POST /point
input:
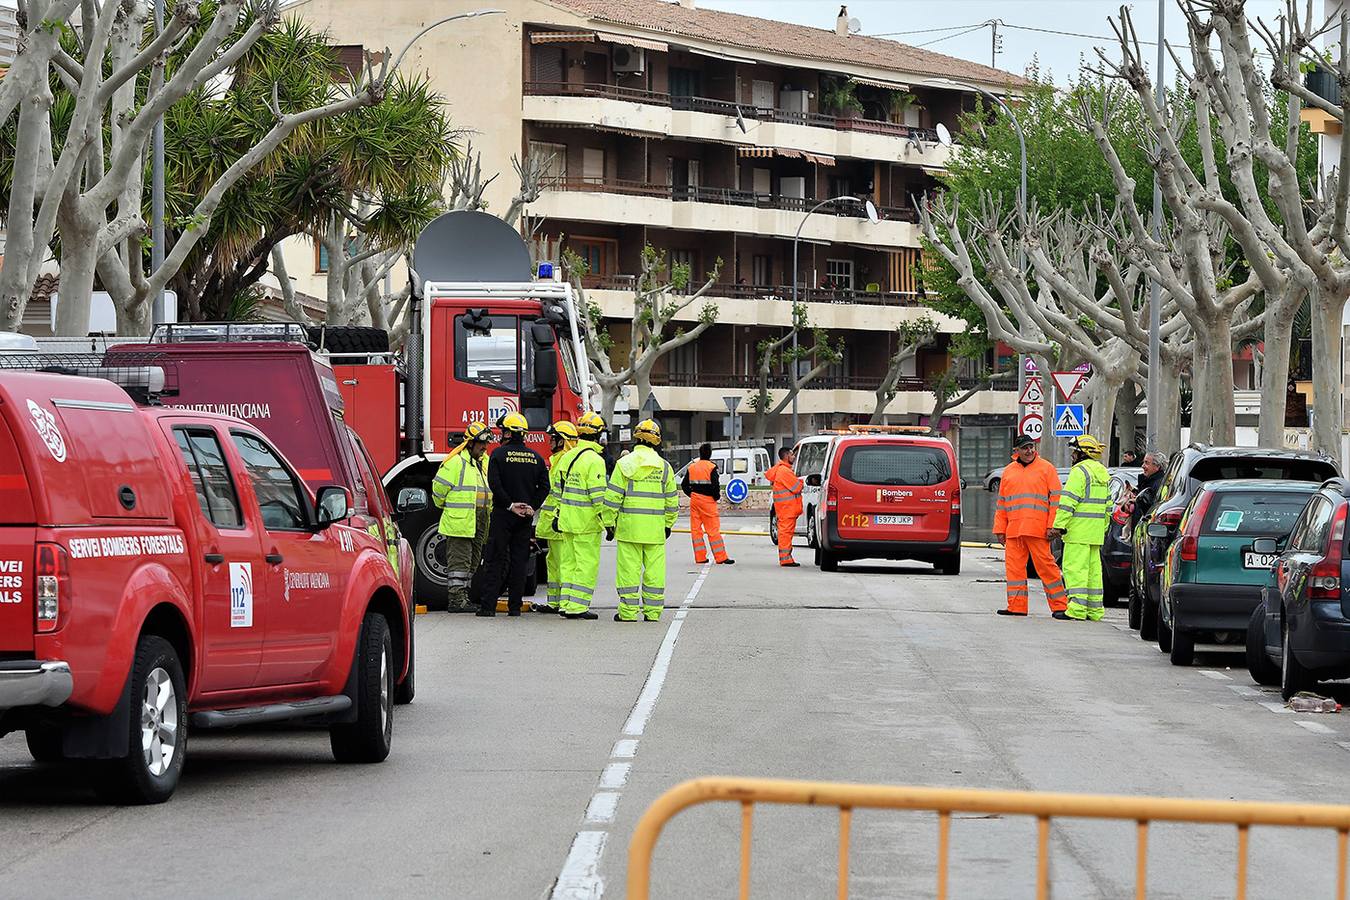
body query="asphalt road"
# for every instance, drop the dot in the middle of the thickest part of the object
(526, 732)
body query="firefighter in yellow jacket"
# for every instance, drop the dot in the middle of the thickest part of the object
(460, 490)
(580, 480)
(563, 437)
(1083, 509)
(641, 506)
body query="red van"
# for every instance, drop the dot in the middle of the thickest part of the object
(889, 496)
(167, 570)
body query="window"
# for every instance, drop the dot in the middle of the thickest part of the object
(555, 166)
(600, 255)
(685, 82)
(593, 165)
(683, 360)
(1310, 535)
(488, 357)
(1256, 467)
(321, 254)
(839, 274)
(210, 476)
(761, 270)
(895, 465)
(687, 258)
(1251, 514)
(546, 64)
(284, 503)
(811, 458)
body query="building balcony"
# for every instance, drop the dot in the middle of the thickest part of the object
(853, 395)
(706, 119)
(721, 209)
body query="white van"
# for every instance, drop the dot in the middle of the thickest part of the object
(811, 454)
(751, 463)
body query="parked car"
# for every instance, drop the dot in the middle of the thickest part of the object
(1300, 633)
(1116, 548)
(167, 570)
(1189, 469)
(889, 496)
(1214, 577)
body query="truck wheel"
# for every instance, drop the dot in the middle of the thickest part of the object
(949, 565)
(995, 484)
(1183, 648)
(1259, 666)
(773, 528)
(338, 339)
(407, 688)
(811, 528)
(368, 739)
(158, 738)
(429, 573)
(827, 561)
(44, 743)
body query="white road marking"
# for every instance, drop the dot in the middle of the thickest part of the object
(1244, 690)
(580, 876)
(615, 775)
(1315, 727)
(1276, 707)
(1217, 676)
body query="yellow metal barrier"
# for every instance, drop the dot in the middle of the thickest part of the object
(945, 801)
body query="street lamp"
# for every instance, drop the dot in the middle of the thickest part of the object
(872, 217)
(1155, 289)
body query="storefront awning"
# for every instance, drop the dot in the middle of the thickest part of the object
(755, 152)
(563, 37)
(872, 82)
(630, 41)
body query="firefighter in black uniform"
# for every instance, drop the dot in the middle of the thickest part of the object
(518, 479)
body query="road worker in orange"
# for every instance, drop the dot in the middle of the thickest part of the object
(787, 503)
(701, 485)
(1028, 497)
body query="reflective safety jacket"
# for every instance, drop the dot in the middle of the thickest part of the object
(642, 499)
(460, 490)
(1027, 497)
(787, 490)
(580, 480)
(548, 511)
(1083, 504)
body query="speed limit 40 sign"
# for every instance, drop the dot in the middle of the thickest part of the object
(1032, 426)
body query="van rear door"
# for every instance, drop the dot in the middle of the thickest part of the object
(893, 491)
(17, 558)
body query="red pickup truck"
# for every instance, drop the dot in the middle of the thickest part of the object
(163, 568)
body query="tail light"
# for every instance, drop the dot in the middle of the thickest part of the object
(956, 498)
(1190, 538)
(832, 498)
(1324, 579)
(1169, 517)
(52, 588)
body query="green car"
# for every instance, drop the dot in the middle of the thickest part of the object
(1213, 579)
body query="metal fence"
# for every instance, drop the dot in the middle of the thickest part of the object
(1044, 807)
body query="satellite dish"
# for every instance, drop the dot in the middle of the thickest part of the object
(740, 121)
(944, 135)
(871, 211)
(470, 245)
(854, 25)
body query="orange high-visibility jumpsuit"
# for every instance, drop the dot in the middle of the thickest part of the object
(704, 519)
(1028, 497)
(787, 504)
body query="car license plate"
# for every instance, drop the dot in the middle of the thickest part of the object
(892, 520)
(1258, 560)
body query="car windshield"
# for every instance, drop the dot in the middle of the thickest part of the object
(1222, 468)
(1249, 513)
(895, 465)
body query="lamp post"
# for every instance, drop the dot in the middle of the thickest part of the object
(872, 217)
(1155, 289)
(157, 311)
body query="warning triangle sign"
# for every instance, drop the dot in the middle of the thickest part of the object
(1068, 383)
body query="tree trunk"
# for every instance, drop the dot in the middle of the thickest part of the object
(1221, 382)
(79, 258)
(609, 397)
(1168, 417)
(1127, 419)
(1278, 338)
(1326, 366)
(15, 283)
(642, 387)
(134, 319)
(1202, 416)
(1103, 417)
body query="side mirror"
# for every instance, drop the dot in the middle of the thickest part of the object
(412, 499)
(546, 369)
(1265, 545)
(813, 480)
(333, 505)
(1158, 531)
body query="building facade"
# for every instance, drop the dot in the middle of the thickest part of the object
(710, 136)
(9, 32)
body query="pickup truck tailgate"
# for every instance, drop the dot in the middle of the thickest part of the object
(16, 589)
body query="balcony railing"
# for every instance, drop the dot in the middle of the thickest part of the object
(770, 292)
(728, 108)
(821, 383)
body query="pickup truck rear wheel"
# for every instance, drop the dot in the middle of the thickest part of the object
(368, 739)
(44, 743)
(149, 773)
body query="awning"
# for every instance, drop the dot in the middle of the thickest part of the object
(563, 37)
(630, 41)
(872, 82)
(754, 152)
(819, 159)
(936, 173)
(698, 51)
(789, 154)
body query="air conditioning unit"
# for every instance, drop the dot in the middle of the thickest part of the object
(632, 60)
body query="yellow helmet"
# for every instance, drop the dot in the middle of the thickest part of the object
(515, 422)
(477, 431)
(563, 429)
(590, 424)
(1089, 446)
(648, 432)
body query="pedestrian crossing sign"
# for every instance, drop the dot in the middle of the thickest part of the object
(1070, 420)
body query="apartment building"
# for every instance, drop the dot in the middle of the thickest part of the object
(9, 33)
(713, 137)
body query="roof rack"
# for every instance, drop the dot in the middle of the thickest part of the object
(879, 429)
(144, 376)
(229, 332)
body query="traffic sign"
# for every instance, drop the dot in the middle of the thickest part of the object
(1031, 394)
(1070, 420)
(1084, 368)
(737, 490)
(1029, 364)
(1068, 384)
(732, 427)
(1032, 426)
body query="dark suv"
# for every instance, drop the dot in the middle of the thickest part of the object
(1189, 469)
(1300, 633)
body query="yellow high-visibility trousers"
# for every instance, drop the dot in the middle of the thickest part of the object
(579, 571)
(640, 578)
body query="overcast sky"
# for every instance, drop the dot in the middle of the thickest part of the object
(1059, 54)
